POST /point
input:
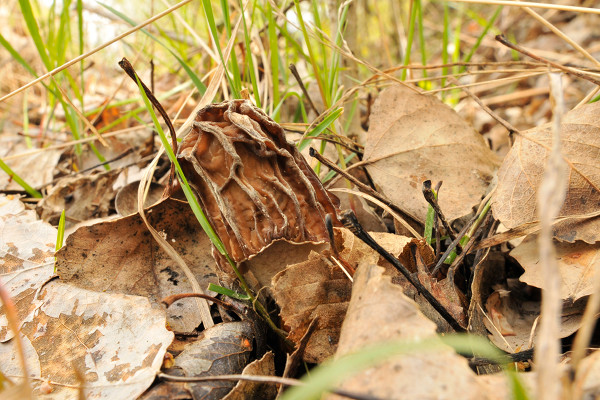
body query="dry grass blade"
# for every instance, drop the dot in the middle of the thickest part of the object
(547, 6)
(551, 196)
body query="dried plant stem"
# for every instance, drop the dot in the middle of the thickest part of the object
(568, 70)
(13, 322)
(551, 196)
(547, 6)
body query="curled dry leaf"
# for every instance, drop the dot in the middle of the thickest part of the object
(120, 256)
(376, 302)
(520, 175)
(253, 185)
(413, 138)
(115, 342)
(578, 263)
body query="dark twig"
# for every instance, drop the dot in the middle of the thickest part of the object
(430, 197)
(438, 239)
(502, 39)
(303, 88)
(128, 68)
(349, 220)
(359, 184)
(329, 224)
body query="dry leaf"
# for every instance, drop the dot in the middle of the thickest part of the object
(521, 171)
(307, 290)
(36, 169)
(376, 302)
(579, 266)
(247, 390)
(82, 197)
(116, 342)
(223, 349)
(120, 256)
(413, 138)
(26, 257)
(253, 185)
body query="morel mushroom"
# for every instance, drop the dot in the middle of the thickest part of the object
(253, 185)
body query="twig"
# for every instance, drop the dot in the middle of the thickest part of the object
(499, 119)
(359, 184)
(502, 39)
(303, 88)
(348, 269)
(349, 220)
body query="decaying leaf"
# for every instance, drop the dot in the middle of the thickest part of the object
(120, 256)
(376, 302)
(579, 266)
(82, 197)
(521, 171)
(223, 349)
(413, 138)
(253, 185)
(26, 257)
(115, 342)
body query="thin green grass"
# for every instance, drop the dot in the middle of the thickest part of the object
(329, 374)
(20, 181)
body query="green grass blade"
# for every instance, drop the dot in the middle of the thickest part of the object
(81, 50)
(235, 71)
(228, 292)
(319, 128)
(445, 42)
(330, 373)
(34, 31)
(64, 35)
(249, 63)
(428, 231)
(274, 51)
(187, 190)
(486, 28)
(424, 84)
(409, 40)
(208, 11)
(20, 181)
(192, 75)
